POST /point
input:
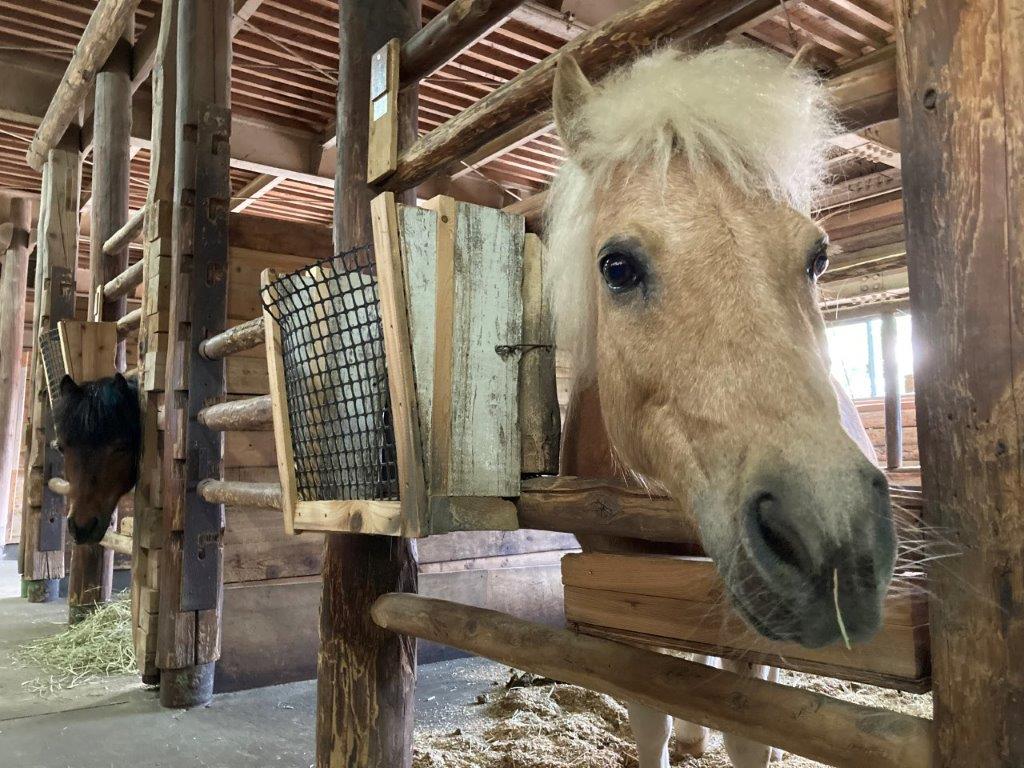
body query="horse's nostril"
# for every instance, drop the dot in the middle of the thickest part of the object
(773, 536)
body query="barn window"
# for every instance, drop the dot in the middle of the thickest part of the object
(856, 351)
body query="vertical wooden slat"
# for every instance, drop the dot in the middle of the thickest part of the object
(56, 257)
(282, 422)
(13, 287)
(539, 418)
(147, 541)
(961, 80)
(191, 590)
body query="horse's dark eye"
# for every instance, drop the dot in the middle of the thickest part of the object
(818, 261)
(621, 271)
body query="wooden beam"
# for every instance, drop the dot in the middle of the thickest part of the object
(235, 339)
(252, 413)
(42, 562)
(597, 51)
(13, 287)
(129, 322)
(365, 677)
(446, 35)
(118, 241)
(124, 283)
(190, 595)
(30, 80)
(253, 191)
(90, 578)
(265, 495)
(108, 23)
(893, 404)
(244, 10)
(800, 721)
(961, 87)
(604, 507)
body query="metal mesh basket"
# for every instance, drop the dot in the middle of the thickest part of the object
(336, 385)
(50, 349)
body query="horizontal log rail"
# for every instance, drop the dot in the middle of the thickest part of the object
(603, 506)
(131, 228)
(447, 34)
(251, 413)
(235, 339)
(125, 282)
(266, 495)
(107, 24)
(129, 322)
(119, 542)
(616, 40)
(806, 723)
(862, 96)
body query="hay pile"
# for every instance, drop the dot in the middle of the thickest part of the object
(546, 725)
(96, 648)
(543, 724)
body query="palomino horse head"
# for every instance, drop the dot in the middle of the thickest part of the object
(683, 269)
(99, 430)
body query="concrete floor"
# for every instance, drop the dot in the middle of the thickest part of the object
(119, 723)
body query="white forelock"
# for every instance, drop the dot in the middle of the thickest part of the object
(742, 111)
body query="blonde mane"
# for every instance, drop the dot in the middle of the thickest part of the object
(744, 111)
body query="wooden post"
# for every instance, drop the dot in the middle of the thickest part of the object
(148, 536)
(92, 566)
(365, 675)
(191, 564)
(961, 79)
(893, 401)
(42, 541)
(13, 286)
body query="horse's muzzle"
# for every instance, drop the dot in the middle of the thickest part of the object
(89, 533)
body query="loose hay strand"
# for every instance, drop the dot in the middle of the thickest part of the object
(99, 646)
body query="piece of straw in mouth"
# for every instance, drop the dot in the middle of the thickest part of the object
(839, 613)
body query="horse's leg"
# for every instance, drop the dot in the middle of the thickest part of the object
(743, 752)
(691, 739)
(651, 730)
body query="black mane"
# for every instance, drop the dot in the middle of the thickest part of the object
(99, 413)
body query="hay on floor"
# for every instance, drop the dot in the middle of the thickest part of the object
(543, 724)
(98, 647)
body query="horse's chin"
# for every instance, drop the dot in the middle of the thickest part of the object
(798, 618)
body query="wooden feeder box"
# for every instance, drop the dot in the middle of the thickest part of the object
(679, 603)
(426, 369)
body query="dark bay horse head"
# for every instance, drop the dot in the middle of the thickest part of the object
(99, 431)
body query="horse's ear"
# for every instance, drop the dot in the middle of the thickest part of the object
(122, 385)
(68, 387)
(571, 91)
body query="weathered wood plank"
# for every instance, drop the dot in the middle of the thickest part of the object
(961, 87)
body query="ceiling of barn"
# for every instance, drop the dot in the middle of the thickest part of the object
(285, 77)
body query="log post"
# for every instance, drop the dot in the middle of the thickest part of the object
(42, 535)
(92, 566)
(13, 287)
(893, 401)
(191, 564)
(365, 676)
(961, 81)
